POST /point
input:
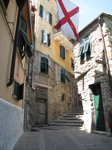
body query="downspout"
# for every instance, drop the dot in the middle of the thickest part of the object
(14, 52)
(106, 58)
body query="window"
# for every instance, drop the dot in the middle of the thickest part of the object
(44, 65)
(62, 52)
(46, 38)
(64, 76)
(18, 91)
(46, 15)
(23, 43)
(6, 2)
(72, 63)
(85, 49)
(63, 97)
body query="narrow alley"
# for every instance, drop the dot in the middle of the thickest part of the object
(62, 138)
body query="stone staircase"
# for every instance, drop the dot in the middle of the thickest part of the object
(73, 118)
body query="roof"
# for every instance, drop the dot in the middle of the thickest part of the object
(95, 21)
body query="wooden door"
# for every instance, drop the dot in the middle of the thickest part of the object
(41, 117)
(99, 113)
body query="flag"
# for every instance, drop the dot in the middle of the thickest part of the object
(67, 19)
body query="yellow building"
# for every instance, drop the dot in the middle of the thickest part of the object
(15, 43)
(53, 68)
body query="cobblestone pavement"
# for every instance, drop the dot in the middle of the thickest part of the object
(62, 139)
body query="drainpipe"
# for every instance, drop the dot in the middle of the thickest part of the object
(106, 58)
(14, 52)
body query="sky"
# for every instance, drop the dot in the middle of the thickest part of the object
(90, 9)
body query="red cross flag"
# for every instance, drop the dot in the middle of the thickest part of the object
(68, 15)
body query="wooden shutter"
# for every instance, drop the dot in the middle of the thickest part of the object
(63, 76)
(41, 11)
(21, 89)
(44, 65)
(62, 52)
(16, 90)
(50, 18)
(49, 39)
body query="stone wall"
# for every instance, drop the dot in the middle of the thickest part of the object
(60, 96)
(94, 72)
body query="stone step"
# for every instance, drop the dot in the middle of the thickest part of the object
(67, 124)
(73, 118)
(68, 121)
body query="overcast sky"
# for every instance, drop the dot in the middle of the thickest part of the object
(90, 9)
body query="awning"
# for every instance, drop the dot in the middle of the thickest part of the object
(28, 45)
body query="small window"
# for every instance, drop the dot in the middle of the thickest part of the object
(18, 91)
(46, 38)
(85, 49)
(44, 65)
(41, 11)
(72, 63)
(6, 2)
(62, 52)
(63, 97)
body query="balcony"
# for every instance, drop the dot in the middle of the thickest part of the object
(64, 41)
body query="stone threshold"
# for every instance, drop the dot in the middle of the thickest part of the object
(103, 133)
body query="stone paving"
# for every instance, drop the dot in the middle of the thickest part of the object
(55, 138)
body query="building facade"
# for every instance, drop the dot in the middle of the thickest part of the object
(53, 92)
(15, 43)
(93, 70)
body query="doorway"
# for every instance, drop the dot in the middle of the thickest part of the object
(98, 105)
(41, 117)
(41, 105)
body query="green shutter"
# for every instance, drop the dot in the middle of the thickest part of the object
(16, 90)
(44, 65)
(42, 36)
(21, 89)
(81, 48)
(49, 39)
(50, 18)
(63, 76)
(41, 11)
(62, 52)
